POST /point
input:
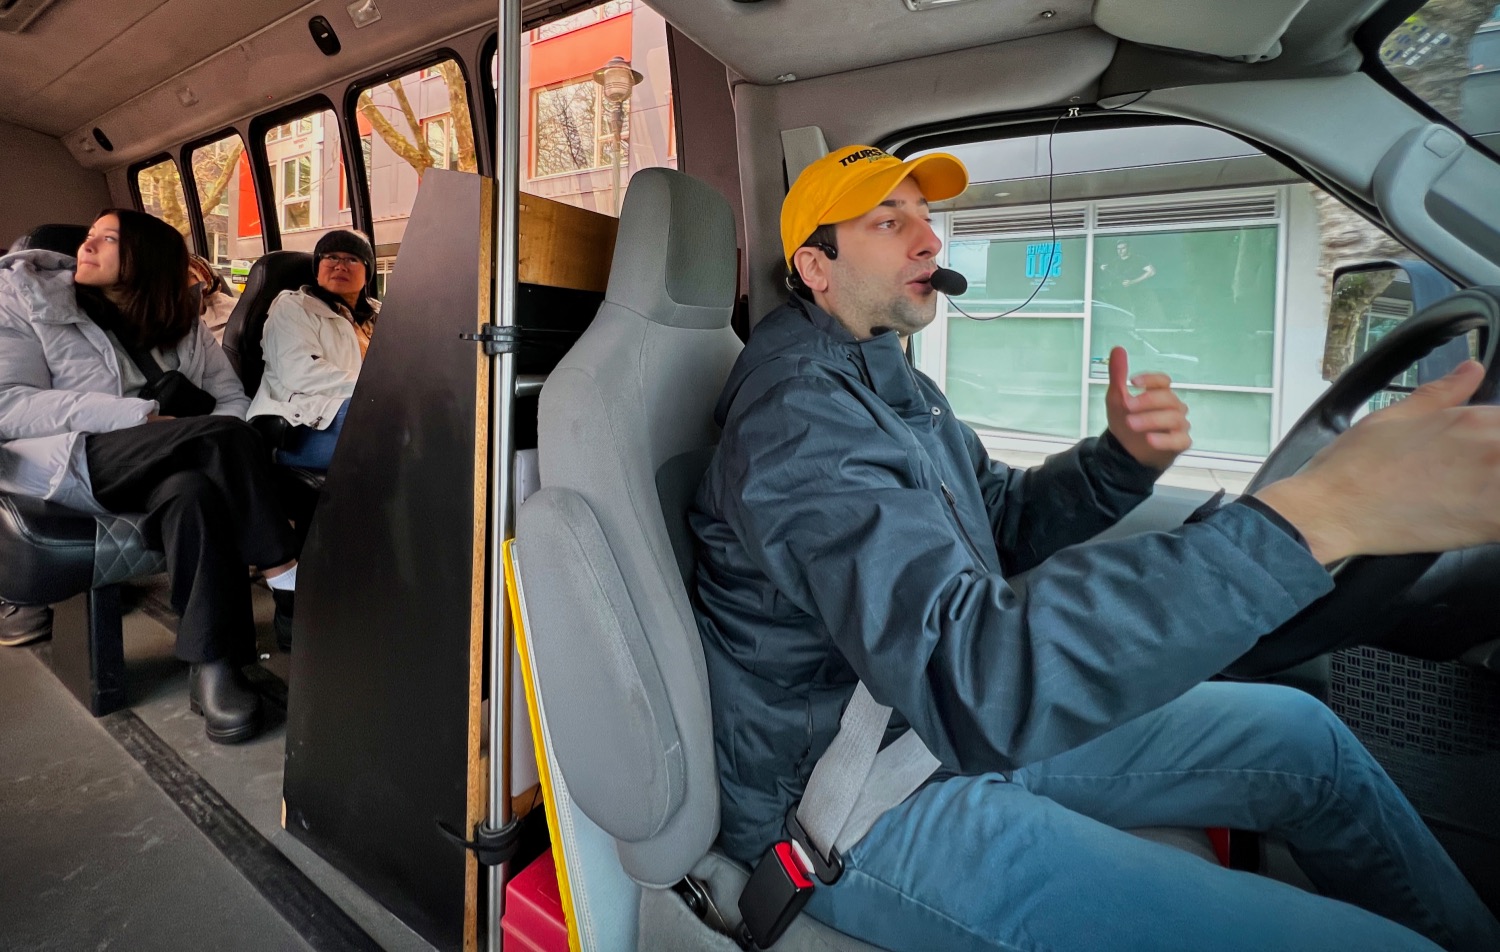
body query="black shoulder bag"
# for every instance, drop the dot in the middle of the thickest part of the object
(174, 393)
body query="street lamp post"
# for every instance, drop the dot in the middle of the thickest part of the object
(619, 81)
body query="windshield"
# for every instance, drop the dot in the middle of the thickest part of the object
(1448, 53)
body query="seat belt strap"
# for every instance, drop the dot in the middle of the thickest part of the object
(855, 782)
(851, 786)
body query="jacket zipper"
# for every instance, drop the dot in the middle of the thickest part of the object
(953, 508)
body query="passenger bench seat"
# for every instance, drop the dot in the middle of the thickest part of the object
(50, 553)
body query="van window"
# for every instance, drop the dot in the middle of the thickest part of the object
(160, 188)
(1198, 254)
(580, 145)
(407, 126)
(306, 167)
(231, 216)
(1448, 55)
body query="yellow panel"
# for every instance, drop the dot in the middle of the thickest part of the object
(549, 797)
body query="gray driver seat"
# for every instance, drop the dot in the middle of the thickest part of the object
(604, 557)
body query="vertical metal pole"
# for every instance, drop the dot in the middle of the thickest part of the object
(614, 180)
(502, 439)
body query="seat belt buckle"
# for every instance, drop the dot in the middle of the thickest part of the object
(827, 868)
(778, 889)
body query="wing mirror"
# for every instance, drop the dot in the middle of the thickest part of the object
(1371, 298)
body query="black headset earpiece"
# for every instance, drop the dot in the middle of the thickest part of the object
(794, 281)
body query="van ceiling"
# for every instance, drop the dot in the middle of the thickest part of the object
(81, 59)
(767, 41)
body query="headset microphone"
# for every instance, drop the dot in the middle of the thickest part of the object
(949, 282)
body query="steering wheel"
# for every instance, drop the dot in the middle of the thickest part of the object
(1365, 586)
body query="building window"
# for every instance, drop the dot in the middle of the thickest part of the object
(573, 128)
(383, 269)
(442, 146)
(1187, 286)
(294, 188)
(577, 21)
(288, 130)
(221, 248)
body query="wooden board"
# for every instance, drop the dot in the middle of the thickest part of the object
(384, 715)
(562, 246)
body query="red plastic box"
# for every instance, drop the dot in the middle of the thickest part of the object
(533, 920)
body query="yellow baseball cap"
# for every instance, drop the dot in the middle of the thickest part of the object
(849, 182)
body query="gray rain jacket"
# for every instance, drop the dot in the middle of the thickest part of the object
(60, 380)
(850, 528)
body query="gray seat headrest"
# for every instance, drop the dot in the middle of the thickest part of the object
(674, 259)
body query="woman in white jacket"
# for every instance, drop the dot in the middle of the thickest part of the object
(115, 398)
(314, 343)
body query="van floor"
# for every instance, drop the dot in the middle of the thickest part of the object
(134, 831)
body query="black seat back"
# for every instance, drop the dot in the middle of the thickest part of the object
(63, 239)
(273, 273)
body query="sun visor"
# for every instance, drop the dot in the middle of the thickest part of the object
(1233, 29)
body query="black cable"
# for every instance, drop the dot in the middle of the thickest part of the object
(1052, 248)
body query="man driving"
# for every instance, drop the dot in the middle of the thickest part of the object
(850, 528)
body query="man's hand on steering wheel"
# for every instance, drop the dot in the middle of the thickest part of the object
(1152, 425)
(1422, 475)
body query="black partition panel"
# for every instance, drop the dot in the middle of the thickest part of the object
(384, 710)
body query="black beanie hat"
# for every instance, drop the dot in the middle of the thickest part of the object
(341, 241)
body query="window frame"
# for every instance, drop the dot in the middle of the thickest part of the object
(1044, 121)
(931, 355)
(270, 208)
(599, 137)
(194, 237)
(190, 185)
(362, 212)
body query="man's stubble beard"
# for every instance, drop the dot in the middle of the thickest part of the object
(896, 312)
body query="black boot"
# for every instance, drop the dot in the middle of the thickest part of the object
(282, 622)
(230, 707)
(23, 624)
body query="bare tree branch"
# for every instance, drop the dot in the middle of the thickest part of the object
(415, 156)
(211, 198)
(458, 109)
(406, 110)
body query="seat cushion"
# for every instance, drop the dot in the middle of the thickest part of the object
(46, 550)
(49, 553)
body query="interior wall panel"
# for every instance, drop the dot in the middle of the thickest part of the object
(43, 184)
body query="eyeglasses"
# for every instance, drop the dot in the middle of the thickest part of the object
(348, 261)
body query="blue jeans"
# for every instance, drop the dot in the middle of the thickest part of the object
(1039, 863)
(313, 449)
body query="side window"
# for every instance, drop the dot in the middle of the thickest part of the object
(231, 215)
(306, 170)
(1199, 255)
(160, 188)
(1447, 54)
(597, 104)
(417, 122)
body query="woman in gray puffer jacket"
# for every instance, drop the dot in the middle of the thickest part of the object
(115, 398)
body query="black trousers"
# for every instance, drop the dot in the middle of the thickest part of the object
(205, 486)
